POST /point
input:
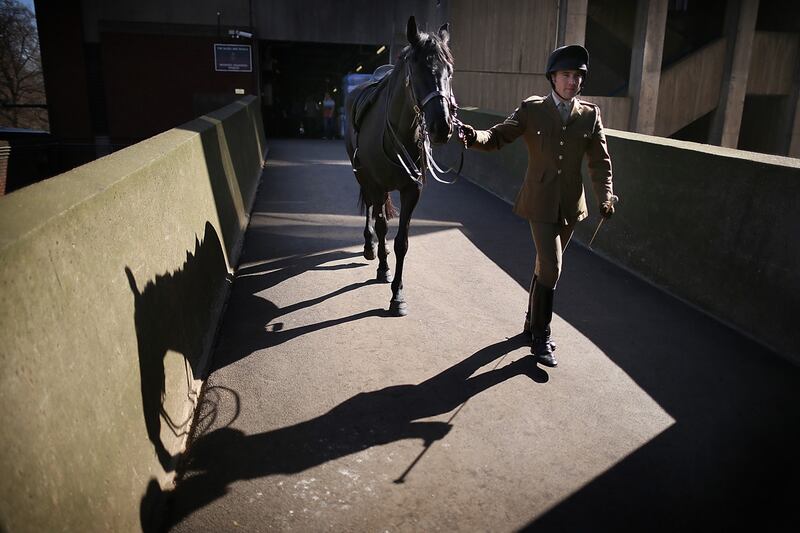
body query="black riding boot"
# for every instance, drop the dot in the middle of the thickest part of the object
(542, 314)
(526, 328)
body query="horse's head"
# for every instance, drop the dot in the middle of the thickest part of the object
(429, 72)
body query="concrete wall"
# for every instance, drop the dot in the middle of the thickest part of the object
(356, 21)
(716, 227)
(112, 280)
(773, 62)
(500, 54)
(690, 88)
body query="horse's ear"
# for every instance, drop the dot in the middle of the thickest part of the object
(411, 31)
(444, 32)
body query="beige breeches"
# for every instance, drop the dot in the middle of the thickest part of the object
(550, 241)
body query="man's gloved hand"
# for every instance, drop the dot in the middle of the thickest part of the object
(467, 133)
(607, 208)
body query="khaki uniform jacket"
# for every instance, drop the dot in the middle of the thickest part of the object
(553, 187)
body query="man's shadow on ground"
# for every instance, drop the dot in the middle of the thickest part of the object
(222, 456)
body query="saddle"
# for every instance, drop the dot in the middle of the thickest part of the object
(368, 96)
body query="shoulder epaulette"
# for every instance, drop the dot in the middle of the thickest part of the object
(534, 99)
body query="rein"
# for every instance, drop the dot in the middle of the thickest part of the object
(414, 171)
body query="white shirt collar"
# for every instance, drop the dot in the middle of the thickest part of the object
(558, 100)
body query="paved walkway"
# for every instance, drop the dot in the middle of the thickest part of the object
(322, 413)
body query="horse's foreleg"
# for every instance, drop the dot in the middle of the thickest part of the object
(381, 228)
(369, 235)
(408, 201)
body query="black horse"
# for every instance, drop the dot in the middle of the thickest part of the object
(390, 127)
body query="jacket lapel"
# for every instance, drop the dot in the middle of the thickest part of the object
(577, 111)
(551, 106)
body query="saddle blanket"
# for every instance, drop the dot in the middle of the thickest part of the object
(369, 94)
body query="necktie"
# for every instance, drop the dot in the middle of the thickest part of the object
(563, 111)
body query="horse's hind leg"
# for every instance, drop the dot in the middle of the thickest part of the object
(369, 235)
(381, 228)
(409, 198)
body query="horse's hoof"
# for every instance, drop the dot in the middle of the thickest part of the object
(369, 253)
(398, 308)
(384, 276)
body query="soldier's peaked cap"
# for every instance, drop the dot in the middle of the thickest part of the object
(570, 57)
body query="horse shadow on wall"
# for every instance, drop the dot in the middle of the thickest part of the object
(176, 312)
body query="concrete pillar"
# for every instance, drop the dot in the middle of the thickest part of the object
(794, 143)
(791, 136)
(572, 22)
(740, 28)
(645, 76)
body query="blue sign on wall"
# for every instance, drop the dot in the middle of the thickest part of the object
(233, 58)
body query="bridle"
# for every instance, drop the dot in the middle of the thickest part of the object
(418, 107)
(414, 171)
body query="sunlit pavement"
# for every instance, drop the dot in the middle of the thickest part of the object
(322, 412)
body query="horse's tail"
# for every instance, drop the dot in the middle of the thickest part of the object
(388, 206)
(362, 202)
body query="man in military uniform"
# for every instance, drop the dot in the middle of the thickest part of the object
(559, 130)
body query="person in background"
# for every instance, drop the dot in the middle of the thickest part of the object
(328, 109)
(310, 127)
(559, 130)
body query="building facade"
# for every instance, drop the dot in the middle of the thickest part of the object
(722, 72)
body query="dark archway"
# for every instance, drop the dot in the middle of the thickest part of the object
(296, 75)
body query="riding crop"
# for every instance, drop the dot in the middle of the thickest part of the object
(614, 199)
